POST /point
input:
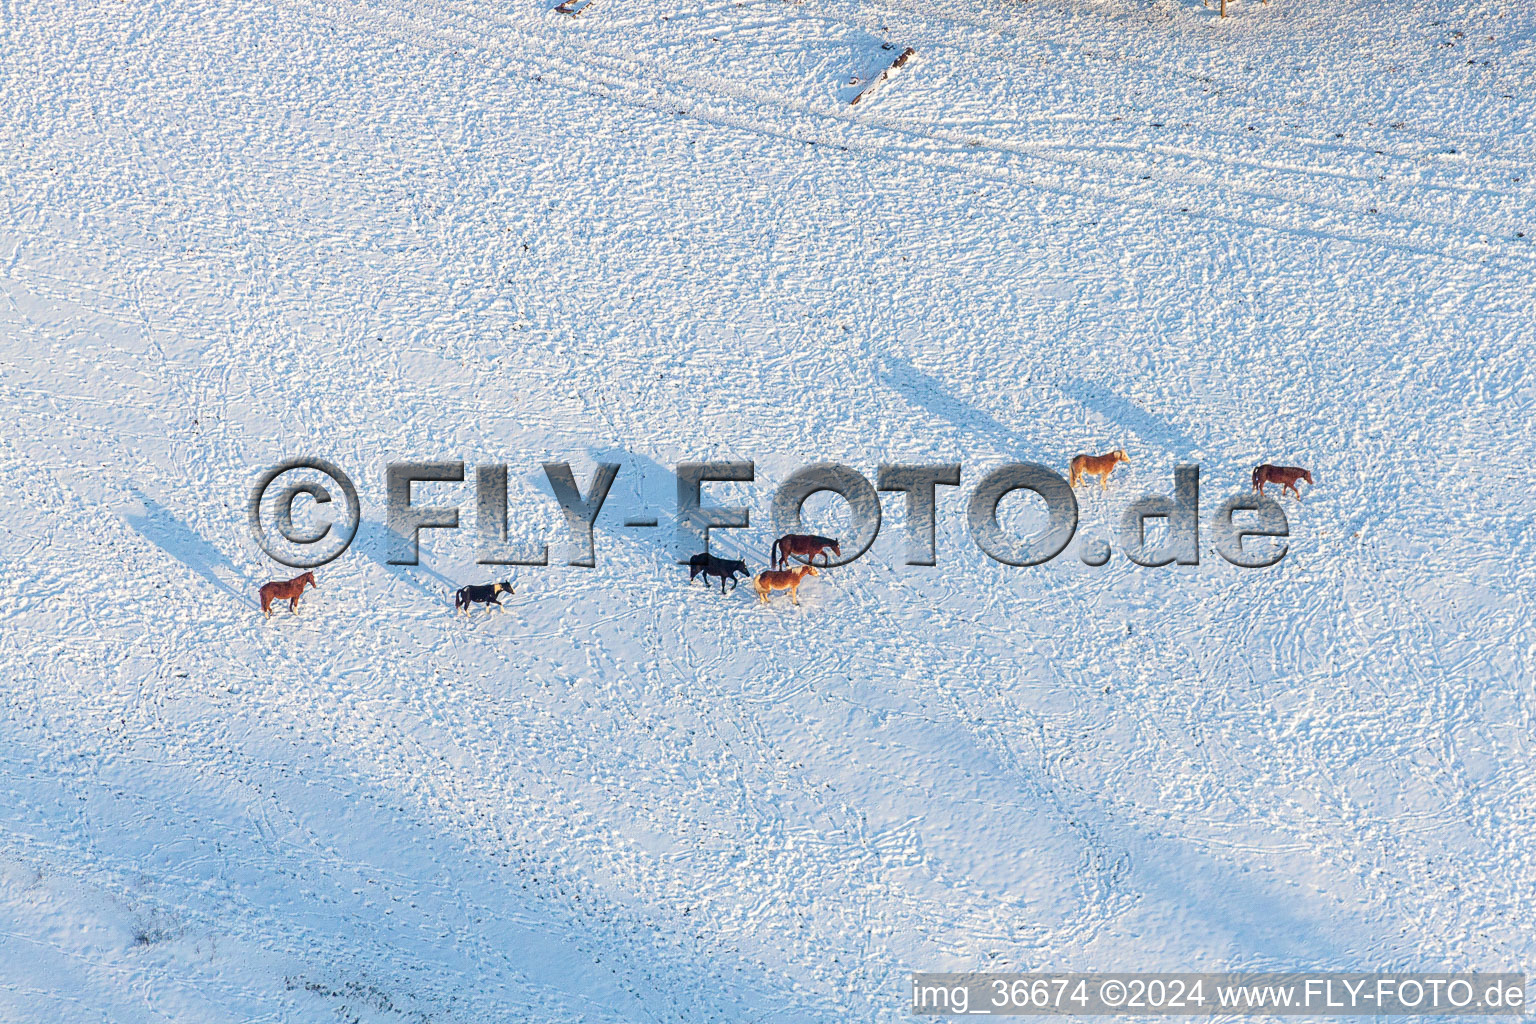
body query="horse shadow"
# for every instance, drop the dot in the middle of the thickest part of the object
(1148, 426)
(374, 541)
(650, 492)
(926, 392)
(160, 527)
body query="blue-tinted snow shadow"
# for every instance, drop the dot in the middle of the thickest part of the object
(160, 527)
(374, 542)
(1151, 428)
(643, 490)
(928, 393)
(646, 488)
(1261, 923)
(468, 911)
(1198, 894)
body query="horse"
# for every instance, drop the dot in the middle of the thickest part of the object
(802, 545)
(489, 594)
(1283, 475)
(285, 590)
(770, 580)
(1097, 465)
(709, 565)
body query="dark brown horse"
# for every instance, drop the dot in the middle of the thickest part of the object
(285, 590)
(1284, 475)
(804, 546)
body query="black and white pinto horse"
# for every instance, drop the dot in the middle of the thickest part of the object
(490, 594)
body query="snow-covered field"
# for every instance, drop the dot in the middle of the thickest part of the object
(657, 232)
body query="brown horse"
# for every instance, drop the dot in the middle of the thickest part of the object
(804, 546)
(1097, 465)
(770, 580)
(1283, 475)
(285, 590)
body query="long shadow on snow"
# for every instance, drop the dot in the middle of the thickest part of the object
(1263, 923)
(482, 917)
(1150, 427)
(927, 392)
(374, 541)
(161, 528)
(646, 487)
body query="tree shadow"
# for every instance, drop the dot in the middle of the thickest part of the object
(342, 874)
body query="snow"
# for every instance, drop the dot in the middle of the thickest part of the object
(656, 232)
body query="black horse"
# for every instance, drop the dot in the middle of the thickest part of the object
(488, 594)
(709, 565)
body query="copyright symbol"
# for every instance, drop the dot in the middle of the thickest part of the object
(1112, 993)
(305, 548)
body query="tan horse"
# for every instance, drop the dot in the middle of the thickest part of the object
(770, 580)
(285, 590)
(1097, 465)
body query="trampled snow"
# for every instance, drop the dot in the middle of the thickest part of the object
(657, 232)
